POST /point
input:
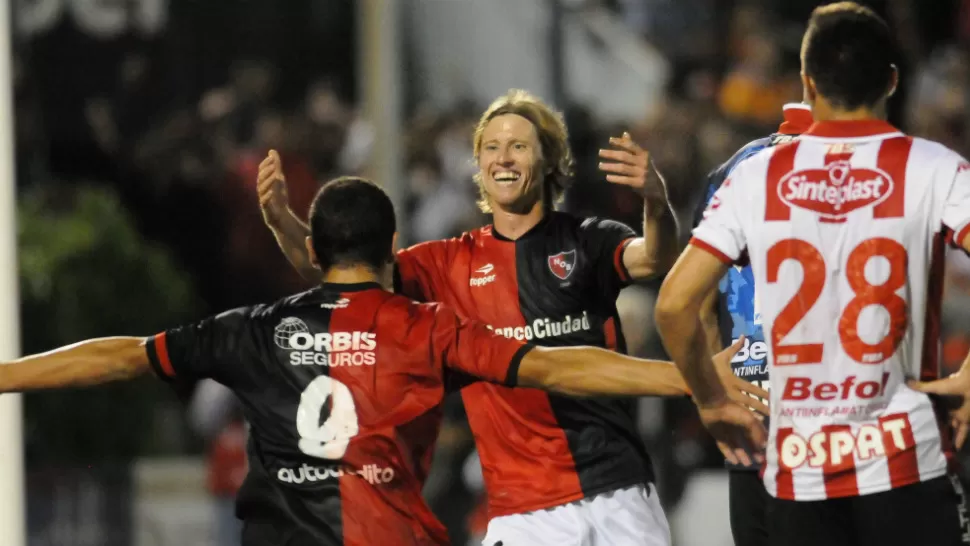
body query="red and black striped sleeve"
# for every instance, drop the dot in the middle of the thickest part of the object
(212, 348)
(472, 348)
(604, 242)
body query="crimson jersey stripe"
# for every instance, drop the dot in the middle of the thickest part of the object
(960, 237)
(929, 368)
(840, 478)
(781, 163)
(903, 462)
(618, 260)
(893, 158)
(784, 478)
(161, 349)
(699, 243)
(836, 154)
(609, 331)
(930, 365)
(491, 403)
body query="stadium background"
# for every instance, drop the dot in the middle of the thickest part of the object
(139, 126)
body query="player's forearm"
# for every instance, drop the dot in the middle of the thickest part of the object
(661, 235)
(657, 250)
(291, 234)
(684, 339)
(90, 362)
(591, 371)
(712, 331)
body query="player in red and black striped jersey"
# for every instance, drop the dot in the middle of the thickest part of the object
(550, 278)
(341, 385)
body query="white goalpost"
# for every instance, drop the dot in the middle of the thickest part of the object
(13, 517)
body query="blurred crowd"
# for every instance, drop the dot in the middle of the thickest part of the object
(183, 164)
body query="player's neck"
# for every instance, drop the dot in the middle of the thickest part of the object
(823, 111)
(513, 225)
(352, 274)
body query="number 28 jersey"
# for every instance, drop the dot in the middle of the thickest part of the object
(846, 232)
(341, 386)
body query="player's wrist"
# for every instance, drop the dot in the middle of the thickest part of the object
(711, 402)
(275, 217)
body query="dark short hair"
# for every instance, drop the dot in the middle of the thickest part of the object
(849, 51)
(352, 222)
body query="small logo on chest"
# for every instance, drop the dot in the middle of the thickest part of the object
(486, 277)
(563, 264)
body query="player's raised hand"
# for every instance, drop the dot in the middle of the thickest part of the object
(629, 164)
(738, 431)
(744, 392)
(271, 188)
(955, 390)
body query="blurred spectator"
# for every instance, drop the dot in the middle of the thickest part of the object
(215, 415)
(758, 83)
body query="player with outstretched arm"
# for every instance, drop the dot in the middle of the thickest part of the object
(555, 467)
(342, 384)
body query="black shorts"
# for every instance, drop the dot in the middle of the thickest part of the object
(929, 513)
(748, 503)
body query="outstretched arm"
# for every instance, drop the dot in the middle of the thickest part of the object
(653, 254)
(82, 364)
(592, 371)
(290, 231)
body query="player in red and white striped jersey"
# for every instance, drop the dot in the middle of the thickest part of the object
(846, 231)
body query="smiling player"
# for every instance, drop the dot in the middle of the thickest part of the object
(557, 469)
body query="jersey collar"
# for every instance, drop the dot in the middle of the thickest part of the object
(798, 118)
(533, 230)
(349, 287)
(851, 128)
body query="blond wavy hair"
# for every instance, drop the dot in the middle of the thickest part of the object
(557, 159)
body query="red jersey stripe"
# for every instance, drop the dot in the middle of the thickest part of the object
(893, 158)
(781, 163)
(161, 349)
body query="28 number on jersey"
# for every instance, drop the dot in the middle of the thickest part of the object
(866, 293)
(329, 440)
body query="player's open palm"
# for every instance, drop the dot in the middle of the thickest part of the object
(955, 392)
(629, 164)
(271, 188)
(744, 392)
(738, 431)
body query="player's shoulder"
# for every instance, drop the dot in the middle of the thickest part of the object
(930, 150)
(406, 316)
(745, 152)
(446, 247)
(284, 304)
(594, 223)
(760, 148)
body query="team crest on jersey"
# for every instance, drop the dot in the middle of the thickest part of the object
(562, 264)
(836, 189)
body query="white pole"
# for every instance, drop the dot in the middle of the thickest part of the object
(379, 55)
(13, 520)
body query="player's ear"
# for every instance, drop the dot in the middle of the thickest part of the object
(808, 89)
(311, 254)
(893, 80)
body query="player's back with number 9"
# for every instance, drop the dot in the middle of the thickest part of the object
(845, 230)
(341, 386)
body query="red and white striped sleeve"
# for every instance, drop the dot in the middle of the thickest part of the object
(721, 229)
(956, 207)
